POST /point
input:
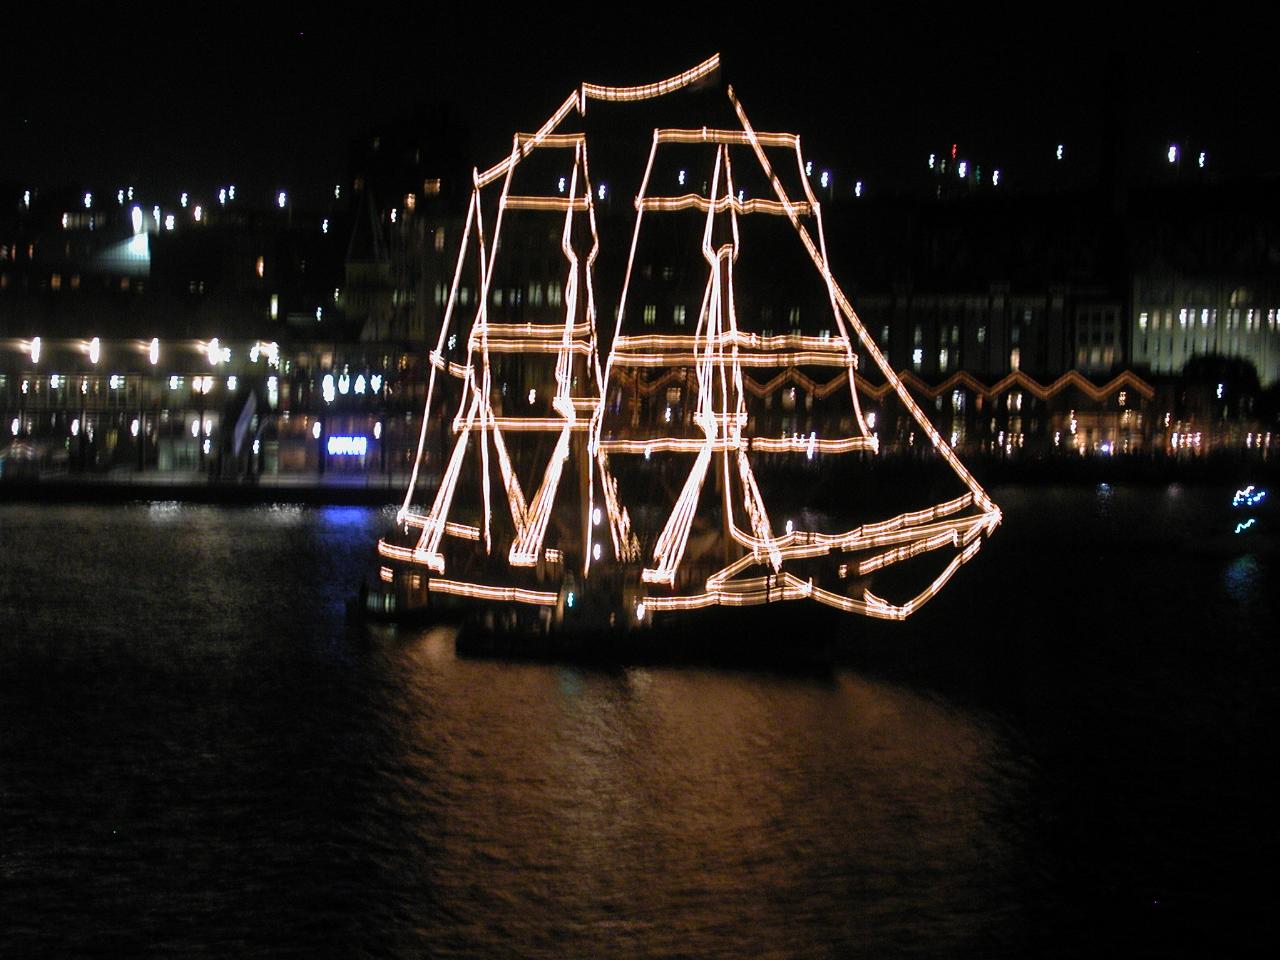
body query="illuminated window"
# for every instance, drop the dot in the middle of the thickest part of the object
(677, 314)
(439, 239)
(982, 334)
(260, 267)
(1015, 359)
(650, 314)
(917, 358)
(943, 357)
(431, 188)
(794, 318)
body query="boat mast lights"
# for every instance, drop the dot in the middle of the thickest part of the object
(717, 355)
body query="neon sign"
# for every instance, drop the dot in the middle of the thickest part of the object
(348, 446)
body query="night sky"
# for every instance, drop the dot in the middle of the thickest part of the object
(228, 96)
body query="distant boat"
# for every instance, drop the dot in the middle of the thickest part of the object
(618, 494)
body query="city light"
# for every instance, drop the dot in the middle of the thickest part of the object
(35, 349)
(1173, 153)
(316, 430)
(134, 427)
(88, 200)
(153, 351)
(857, 189)
(995, 178)
(346, 446)
(95, 350)
(1248, 497)
(135, 215)
(1061, 149)
(183, 200)
(327, 387)
(281, 199)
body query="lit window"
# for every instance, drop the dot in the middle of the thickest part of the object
(1015, 359)
(650, 315)
(677, 314)
(917, 358)
(260, 267)
(439, 239)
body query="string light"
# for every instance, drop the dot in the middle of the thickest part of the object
(711, 361)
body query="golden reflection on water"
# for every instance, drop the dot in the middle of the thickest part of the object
(683, 805)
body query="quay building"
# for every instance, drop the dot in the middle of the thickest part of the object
(233, 339)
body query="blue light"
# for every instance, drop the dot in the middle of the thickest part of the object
(1242, 527)
(348, 446)
(1248, 497)
(568, 600)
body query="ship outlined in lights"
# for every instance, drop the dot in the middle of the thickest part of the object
(580, 487)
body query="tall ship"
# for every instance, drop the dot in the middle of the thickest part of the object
(685, 442)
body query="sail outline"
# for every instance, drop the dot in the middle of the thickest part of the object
(723, 348)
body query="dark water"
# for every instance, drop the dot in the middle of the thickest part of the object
(1066, 754)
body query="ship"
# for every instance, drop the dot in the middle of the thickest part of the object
(603, 477)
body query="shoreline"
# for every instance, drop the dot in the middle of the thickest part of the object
(389, 489)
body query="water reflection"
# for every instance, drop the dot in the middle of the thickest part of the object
(703, 812)
(197, 750)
